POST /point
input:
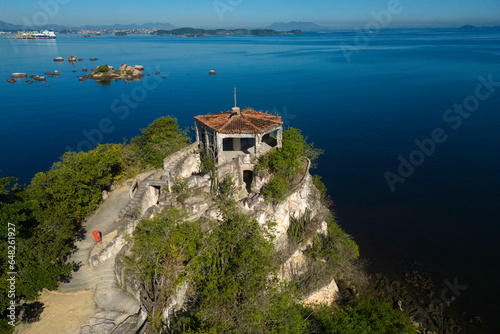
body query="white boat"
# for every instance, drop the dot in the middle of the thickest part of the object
(46, 34)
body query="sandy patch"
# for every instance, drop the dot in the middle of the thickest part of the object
(63, 313)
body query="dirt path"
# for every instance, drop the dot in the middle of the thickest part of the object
(63, 313)
(90, 289)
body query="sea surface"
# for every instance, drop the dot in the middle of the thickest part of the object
(365, 104)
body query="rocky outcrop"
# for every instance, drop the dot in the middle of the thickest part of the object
(150, 192)
(18, 75)
(59, 59)
(112, 322)
(324, 296)
(108, 73)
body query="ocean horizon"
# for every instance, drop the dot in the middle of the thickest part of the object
(408, 121)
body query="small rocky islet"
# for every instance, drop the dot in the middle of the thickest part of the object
(105, 73)
(102, 73)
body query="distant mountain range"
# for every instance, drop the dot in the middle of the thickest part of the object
(294, 25)
(148, 25)
(9, 26)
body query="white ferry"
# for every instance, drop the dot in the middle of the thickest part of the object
(46, 34)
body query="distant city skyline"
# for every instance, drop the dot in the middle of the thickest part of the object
(255, 13)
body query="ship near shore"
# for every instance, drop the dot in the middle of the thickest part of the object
(46, 34)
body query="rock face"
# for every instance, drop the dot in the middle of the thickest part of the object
(151, 192)
(324, 296)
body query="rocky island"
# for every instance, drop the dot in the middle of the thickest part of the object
(105, 73)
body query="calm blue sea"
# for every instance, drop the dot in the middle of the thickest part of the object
(365, 110)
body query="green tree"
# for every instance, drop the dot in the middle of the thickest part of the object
(162, 247)
(158, 140)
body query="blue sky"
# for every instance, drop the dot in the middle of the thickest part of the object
(249, 13)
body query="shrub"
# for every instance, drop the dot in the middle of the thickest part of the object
(316, 179)
(298, 226)
(337, 246)
(367, 316)
(207, 164)
(277, 189)
(102, 69)
(158, 140)
(285, 163)
(182, 190)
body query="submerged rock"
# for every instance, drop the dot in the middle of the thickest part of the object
(11, 80)
(93, 59)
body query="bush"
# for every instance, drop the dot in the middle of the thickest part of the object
(277, 189)
(207, 164)
(285, 163)
(367, 316)
(182, 190)
(336, 247)
(316, 179)
(298, 226)
(158, 140)
(102, 69)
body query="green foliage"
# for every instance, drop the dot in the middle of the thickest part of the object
(208, 164)
(367, 316)
(158, 140)
(182, 190)
(162, 247)
(336, 247)
(277, 189)
(102, 69)
(286, 163)
(298, 226)
(225, 198)
(319, 184)
(72, 188)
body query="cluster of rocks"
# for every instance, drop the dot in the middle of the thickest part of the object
(72, 59)
(125, 73)
(52, 74)
(40, 78)
(415, 297)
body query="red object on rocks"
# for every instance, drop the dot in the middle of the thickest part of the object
(97, 235)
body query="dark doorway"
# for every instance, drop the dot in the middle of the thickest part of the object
(248, 179)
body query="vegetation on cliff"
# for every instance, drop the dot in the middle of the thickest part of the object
(47, 214)
(286, 163)
(231, 264)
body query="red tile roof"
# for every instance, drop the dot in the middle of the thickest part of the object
(250, 121)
